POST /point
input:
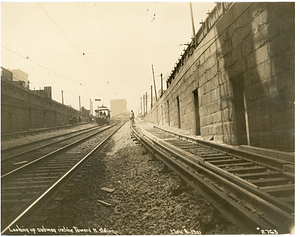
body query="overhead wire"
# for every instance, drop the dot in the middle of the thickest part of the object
(59, 28)
(38, 64)
(50, 70)
(121, 50)
(112, 51)
(119, 81)
(80, 52)
(73, 43)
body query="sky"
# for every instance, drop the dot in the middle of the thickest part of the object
(97, 50)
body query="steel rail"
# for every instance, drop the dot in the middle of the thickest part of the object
(272, 163)
(232, 178)
(203, 189)
(52, 153)
(275, 162)
(43, 146)
(46, 139)
(38, 130)
(188, 169)
(46, 194)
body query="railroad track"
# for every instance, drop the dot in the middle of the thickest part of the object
(36, 131)
(18, 148)
(17, 156)
(27, 189)
(251, 191)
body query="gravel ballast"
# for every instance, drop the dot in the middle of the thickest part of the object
(138, 199)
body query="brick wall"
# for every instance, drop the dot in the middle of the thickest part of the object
(243, 70)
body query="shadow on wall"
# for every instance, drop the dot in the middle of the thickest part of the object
(258, 54)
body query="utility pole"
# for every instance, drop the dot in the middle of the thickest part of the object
(90, 106)
(154, 83)
(161, 81)
(79, 104)
(62, 96)
(193, 26)
(141, 106)
(146, 102)
(62, 101)
(151, 98)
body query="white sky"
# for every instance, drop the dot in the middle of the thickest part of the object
(120, 42)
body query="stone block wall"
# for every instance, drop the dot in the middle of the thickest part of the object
(243, 71)
(22, 109)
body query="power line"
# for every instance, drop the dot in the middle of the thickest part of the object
(27, 58)
(38, 64)
(59, 28)
(121, 50)
(103, 52)
(49, 56)
(119, 81)
(72, 42)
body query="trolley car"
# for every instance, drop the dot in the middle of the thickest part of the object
(102, 115)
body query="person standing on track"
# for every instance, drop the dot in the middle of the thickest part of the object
(132, 118)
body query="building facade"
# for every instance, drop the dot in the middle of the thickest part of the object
(118, 106)
(20, 77)
(119, 109)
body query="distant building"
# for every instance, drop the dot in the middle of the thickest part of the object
(6, 74)
(119, 109)
(118, 106)
(20, 77)
(46, 92)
